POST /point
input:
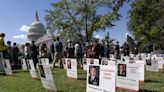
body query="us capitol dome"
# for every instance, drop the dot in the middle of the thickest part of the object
(36, 29)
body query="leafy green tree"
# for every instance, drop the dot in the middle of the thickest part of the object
(147, 22)
(82, 16)
(131, 43)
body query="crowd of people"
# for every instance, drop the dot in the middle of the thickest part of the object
(56, 51)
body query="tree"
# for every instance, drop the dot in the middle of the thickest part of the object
(147, 22)
(82, 16)
(131, 43)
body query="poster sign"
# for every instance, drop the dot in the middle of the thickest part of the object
(71, 68)
(161, 62)
(87, 61)
(7, 66)
(127, 76)
(46, 76)
(24, 66)
(31, 68)
(101, 78)
(152, 65)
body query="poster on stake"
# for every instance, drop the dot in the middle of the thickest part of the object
(71, 68)
(46, 76)
(31, 68)
(101, 78)
(7, 66)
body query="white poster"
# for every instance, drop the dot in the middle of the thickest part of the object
(64, 63)
(24, 66)
(152, 65)
(87, 61)
(101, 78)
(46, 76)
(127, 76)
(7, 66)
(30, 66)
(141, 69)
(160, 62)
(71, 68)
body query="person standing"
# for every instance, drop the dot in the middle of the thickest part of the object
(117, 50)
(9, 51)
(52, 51)
(102, 49)
(70, 49)
(107, 49)
(43, 50)
(27, 51)
(126, 49)
(78, 52)
(2, 51)
(58, 47)
(15, 53)
(34, 53)
(96, 49)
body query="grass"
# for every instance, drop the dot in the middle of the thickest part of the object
(22, 82)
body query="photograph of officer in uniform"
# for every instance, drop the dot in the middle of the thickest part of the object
(94, 75)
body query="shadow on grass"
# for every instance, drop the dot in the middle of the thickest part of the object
(81, 78)
(145, 90)
(59, 91)
(151, 81)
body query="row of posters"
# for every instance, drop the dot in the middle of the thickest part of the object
(108, 75)
(45, 73)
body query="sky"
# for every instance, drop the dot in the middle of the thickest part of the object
(17, 15)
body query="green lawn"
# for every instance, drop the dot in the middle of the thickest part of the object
(22, 82)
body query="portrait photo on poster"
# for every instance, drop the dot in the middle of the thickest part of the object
(121, 70)
(148, 61)
(69, 64)
(41, 70)
(94, 75)
(91, 61)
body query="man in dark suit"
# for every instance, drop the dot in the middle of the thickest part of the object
(122, 70)
(93, 79)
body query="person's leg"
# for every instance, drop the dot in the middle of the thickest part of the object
(54, 61)
(56, 58)
(61, 62)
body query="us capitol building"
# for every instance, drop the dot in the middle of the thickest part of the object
(38, 33)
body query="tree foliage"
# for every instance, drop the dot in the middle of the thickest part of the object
(82, 16)
(131, 43)
(147, 22)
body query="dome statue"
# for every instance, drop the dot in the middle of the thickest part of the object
(36, 29)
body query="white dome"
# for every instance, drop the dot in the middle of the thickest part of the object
(36, 29)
